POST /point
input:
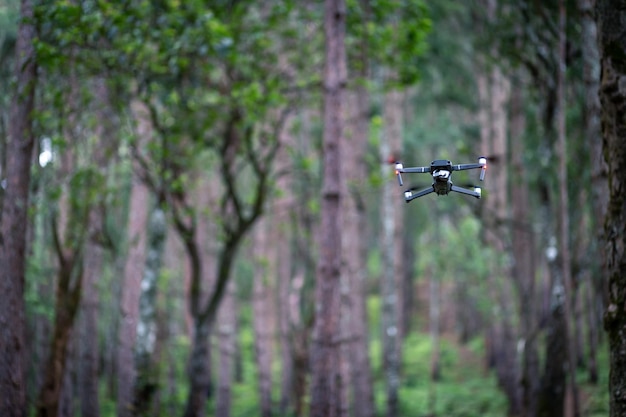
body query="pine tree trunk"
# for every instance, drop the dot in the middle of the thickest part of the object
(564, 221)
(612, 32)
(200, 378)
(133, 274)
(389, 295)
(146, 383)
(89, 352)
(326, 381)
(14, 221)
(262, 301)
(225, 328)
(524, 257)
(66, 307)
(595, 280)
(355, 252)
(282, 216)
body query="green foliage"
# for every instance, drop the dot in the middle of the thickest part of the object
(465, 389)
(392, 34)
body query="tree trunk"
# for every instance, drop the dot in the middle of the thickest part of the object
(326, 380)
(282, 214)
(133, 274)
(226, 327)
(564, 222)
(551, 398)
(494, 93)
(14, 221)
(263, 319)
(595, 280)
(524, 257)
(89, 356)
(146, 383)
(66, 306)
(200, 377)
(612, 33)
(354, 255)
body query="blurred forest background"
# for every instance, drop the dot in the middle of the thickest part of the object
(177, 191)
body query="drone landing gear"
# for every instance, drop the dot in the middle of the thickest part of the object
(409, 195)
(476, 192)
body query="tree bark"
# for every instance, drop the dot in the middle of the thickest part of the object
(596, 279)
(326, 380)
(226, 332)
(564, 221)
(14, 221)
(146, 383)
(133, 273)
(263, 319)
(612, 35)
(391, 145)
(524, 256)
(354, 255)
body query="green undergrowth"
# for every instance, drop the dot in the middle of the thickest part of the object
(464, 387)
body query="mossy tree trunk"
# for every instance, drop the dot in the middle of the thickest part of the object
(612, 42)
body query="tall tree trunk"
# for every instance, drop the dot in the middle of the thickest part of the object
(89, 356)
(564, 213)
(226, 334)
(551, 398)
(326, 381)
(434, 324)
(354, 255)
(68, 291)
(133, 273)
(391, 147)
(612, 34)
(14, 221)
(494, 93)
(146, 383)
(282, 209)
(262, 300)
(524, 257)
(93, 259)
(597, 278)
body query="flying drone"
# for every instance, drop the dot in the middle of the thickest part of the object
(441, 171)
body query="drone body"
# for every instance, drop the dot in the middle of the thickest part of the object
(441, 171)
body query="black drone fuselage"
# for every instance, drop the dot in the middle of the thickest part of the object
(441, 170)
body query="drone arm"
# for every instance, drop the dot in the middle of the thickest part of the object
(401, 169)
(482, 164)
(462, 167)
(475, 193)
(409, 195)
(418, 170)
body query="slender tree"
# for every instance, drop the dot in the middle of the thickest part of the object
(564, 222)
(133, 269)
(325, 381)
(14, 221)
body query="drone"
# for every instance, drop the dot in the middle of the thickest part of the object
(441, 171)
